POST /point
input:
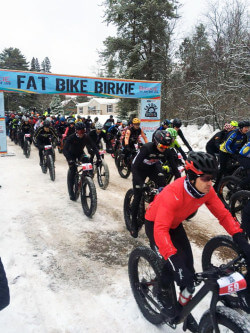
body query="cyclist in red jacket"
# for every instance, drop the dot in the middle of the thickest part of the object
(172, 206)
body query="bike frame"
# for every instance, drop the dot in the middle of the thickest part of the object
(210, 285)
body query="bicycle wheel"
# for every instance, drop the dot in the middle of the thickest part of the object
(240, 172)
(44, 166)
(88, 196)
(220, 250)
(144, 269)
(227, 187)
(228, 321)
(27, 148)
(51, 167)
(237, 203)
(127, 210)
(123, 168)
(103, 175)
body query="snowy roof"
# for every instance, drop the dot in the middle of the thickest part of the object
(106, 100)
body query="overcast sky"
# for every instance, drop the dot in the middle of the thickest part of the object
(69, 32)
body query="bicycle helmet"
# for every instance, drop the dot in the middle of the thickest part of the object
(71, 121)
(62, 119)
(25, 119)
(172, 132)
(118, 121)
(166, 122)
(124, 122)
(98, 126)
(136, 121)
(17, 117)
(80, 126)
(177, 123)
(234, 123)
(162, 137)
(228, 127)
(46, 123)
(244, 123)
(200, 163)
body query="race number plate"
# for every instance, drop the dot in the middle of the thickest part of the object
(232, 283)
(47, 147)
(27, 135)
(87, 166)
(101, 152)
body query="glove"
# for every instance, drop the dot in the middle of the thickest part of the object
(182, 275)
(166, 168)
(242, 243)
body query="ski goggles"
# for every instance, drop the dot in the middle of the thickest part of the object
(160, 145)
(205, 178)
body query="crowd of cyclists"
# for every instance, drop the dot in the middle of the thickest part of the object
(80, 139)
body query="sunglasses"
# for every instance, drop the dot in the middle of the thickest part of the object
(206, 178)
(162, 146)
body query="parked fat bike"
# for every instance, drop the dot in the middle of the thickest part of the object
(145, 268)
(48, 161)
(85, 187)
(26, 145)
(221, 251)
(101, 170)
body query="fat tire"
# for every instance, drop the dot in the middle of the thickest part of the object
(44, 166)
(232, 183)
(211, 246)
(88, 209)
(127, 211)
(103, 175)
(138, 287)
(240, 195)
(51, 167)
(28, 149)
(124, 172)
(225, 317)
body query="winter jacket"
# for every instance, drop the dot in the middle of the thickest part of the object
(173, 205)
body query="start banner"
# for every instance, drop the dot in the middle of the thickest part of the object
(46, 83)
(150, 116)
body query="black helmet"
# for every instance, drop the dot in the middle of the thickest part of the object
(166, 122)
(80, 126)
(200, 163)
(177, 123)
(163, 137)
(46, 123)
(244, 123)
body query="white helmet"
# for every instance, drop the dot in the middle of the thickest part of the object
(124, 122)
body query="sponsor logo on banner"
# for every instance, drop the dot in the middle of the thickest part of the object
(150, 116)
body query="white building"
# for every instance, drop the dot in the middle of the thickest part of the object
(98, 106)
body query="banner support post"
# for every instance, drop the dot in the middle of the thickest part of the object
(3, 139)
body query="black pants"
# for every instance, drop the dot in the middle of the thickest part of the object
(4, 288)
(181, 243)
(245, 163)
(224, 158)
(155, 173)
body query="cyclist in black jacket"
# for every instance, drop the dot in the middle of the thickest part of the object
(74, 150)
(176, 125)
(213, 145)
(43, 136)
(147, 163)
(95, 136)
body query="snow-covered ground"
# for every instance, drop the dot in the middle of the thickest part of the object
(68, 273)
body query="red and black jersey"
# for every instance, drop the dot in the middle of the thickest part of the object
(173, 205)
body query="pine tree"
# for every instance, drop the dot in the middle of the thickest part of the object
(37, 65)
(33, 65)
(12, 58)
(46, 65)
(55, 105)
